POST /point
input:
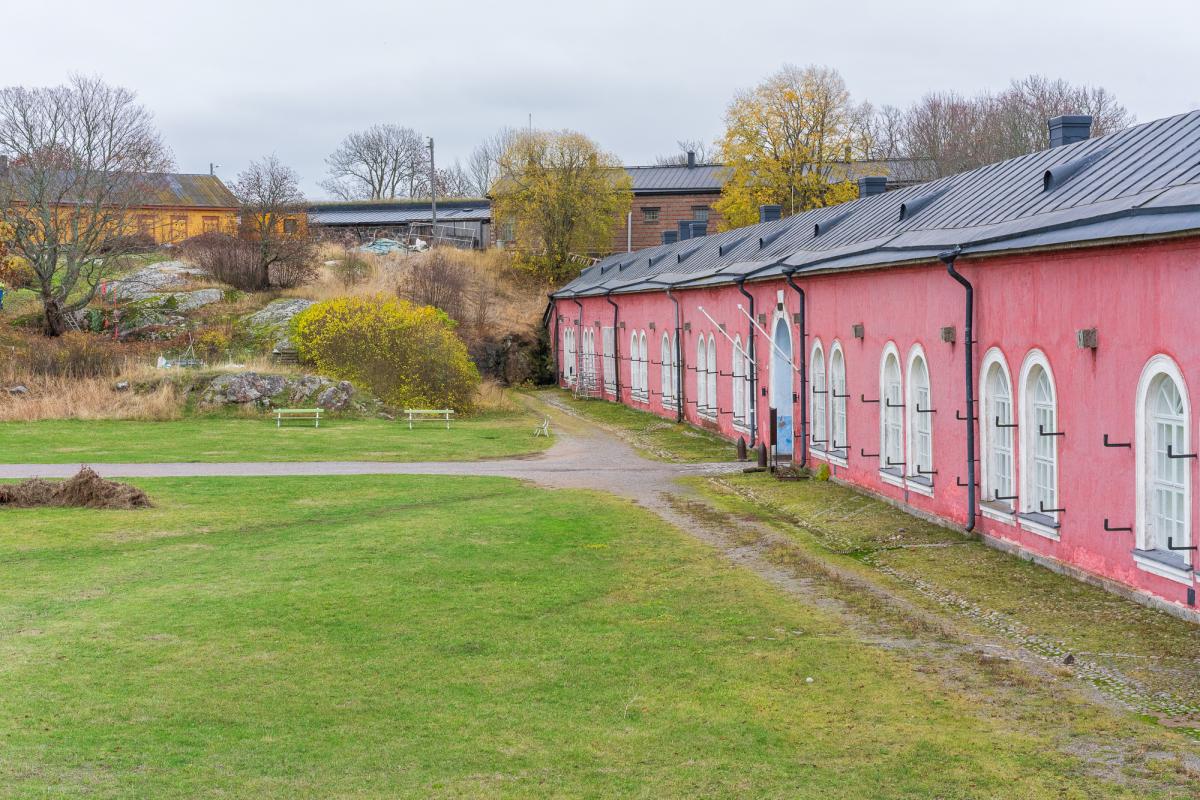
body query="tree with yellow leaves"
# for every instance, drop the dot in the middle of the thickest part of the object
(563, 198)
(788, 142)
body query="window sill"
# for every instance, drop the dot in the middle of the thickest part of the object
(741, 426)
(999, 513)
(837, 457)
(892, 476)
(1164, 564)
(1041, 524)
(919, 484)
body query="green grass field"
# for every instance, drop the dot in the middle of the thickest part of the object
(470, 637)
(222, 438)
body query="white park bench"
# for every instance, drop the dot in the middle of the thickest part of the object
(302, 414)
(429, 415)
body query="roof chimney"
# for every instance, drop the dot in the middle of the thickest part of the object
(699, 229)
(1069, 129)
(670, 237)
(872, 185)
(685, 229)
(691, 159)
(770, 213)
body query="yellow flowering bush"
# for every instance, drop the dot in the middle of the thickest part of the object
(408, 355)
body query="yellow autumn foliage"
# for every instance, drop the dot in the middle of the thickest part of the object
(788, 142)
(407, 355)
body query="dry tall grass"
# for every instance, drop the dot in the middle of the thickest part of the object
(89, 398)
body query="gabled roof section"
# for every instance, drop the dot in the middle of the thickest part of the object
(1143, 181)
(677, 179)
(192, 191)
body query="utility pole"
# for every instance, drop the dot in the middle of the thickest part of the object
(432, 196)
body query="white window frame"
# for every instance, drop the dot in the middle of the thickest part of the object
(1038, 453)
(891, 416)
(608, 340)
(569, 354)
(741, 419)
(818, 396)
(1003, 510)
(701, 372)
(919, 425)
(645, 375)
(667, 372)
(839, 421)
(713, 406)
(1161, 367)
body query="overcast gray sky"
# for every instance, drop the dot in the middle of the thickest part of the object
(230, 81)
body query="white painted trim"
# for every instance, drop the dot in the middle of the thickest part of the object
(894, 480)
(812, 396)
(825, 455)
(1160, 364)
(1028, 430)
(835, 347)
(777, 355)
(1007, 517)
(993, 356)
(910, 410)
(1162, 570)
(890, 350)
(918, 487)
(1038, 528)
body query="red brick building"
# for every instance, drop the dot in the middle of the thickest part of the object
(664, 196)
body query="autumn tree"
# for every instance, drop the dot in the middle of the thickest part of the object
(379, 163)
(787, 142)
(272, 212)
(563, 196)
(75, 161)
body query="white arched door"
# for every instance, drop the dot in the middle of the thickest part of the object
(781, 387)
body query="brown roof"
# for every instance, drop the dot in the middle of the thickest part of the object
(194, 191)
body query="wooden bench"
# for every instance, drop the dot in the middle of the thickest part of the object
(303, 414)
(429, 415)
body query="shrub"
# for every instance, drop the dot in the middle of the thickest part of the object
(16, 273)
(408, 355)
(75, 354)
(439, 279)
(227, 258)
(212, 342)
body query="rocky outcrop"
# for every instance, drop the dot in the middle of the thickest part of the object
(152, 280)
(188, 301)
(244, 388)
(277, 315)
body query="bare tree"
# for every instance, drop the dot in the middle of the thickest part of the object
(75, 160)
(273, 216)
(454, 181)
(380, 163)
(483, 165)
(957, 133)
(705, 154)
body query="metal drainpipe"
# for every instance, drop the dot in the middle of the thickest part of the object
(803, 372)
(948, 259)
(679, 348)
(616, 346)
(741, 284)
(579, 342)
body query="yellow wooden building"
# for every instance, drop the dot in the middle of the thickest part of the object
(177, 206)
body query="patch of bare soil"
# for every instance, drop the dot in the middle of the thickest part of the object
(85, 489)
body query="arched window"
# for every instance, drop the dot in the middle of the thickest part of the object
(738, 372)
(587, 367)
(569, 354)
(675, 369)
(701, 376)
(645, 373)
(996, 426)
(837, 400)
(819, 392)
(667, 371)
(920, 419)
(1039, 445)
(610, 361)
(1164, 478)
(891, 395)
(711, 392)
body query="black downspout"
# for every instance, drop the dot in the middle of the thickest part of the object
(741, 284)
(616, 346)
(803, 372)
(948, 259)
(678, 354)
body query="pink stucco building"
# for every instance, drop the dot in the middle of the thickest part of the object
(1010, 350)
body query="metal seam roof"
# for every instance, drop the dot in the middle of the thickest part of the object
(1151, 169)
